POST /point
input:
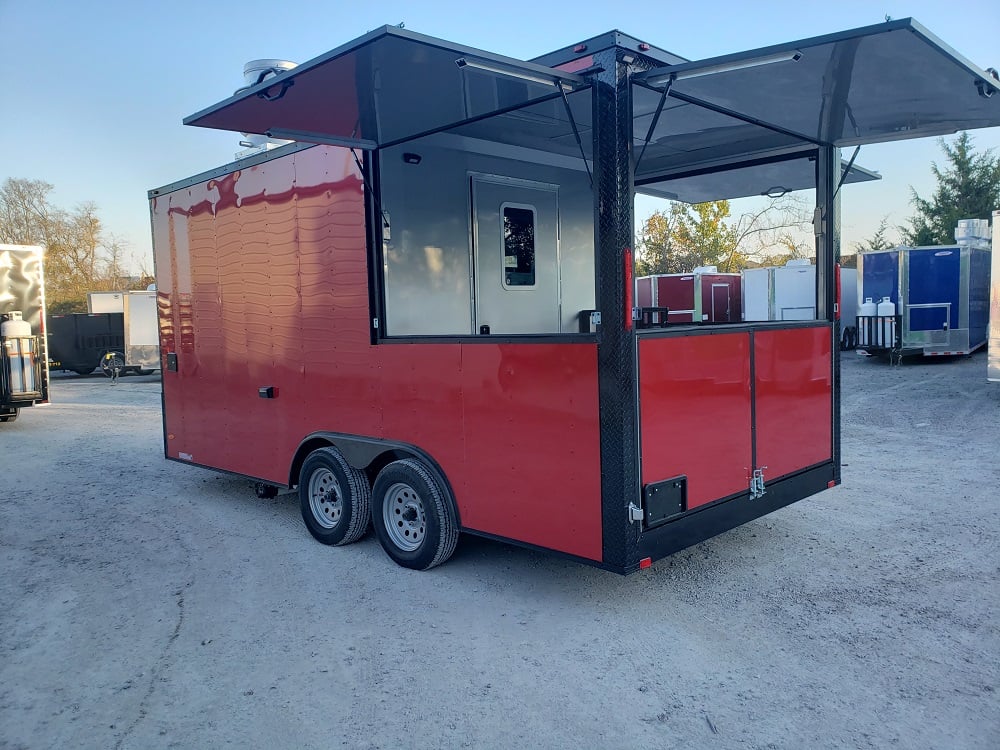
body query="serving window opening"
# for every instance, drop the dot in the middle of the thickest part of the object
(492, 228)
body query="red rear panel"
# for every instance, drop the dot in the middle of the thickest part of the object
(262, 281)
(694, 397)
(793, 385)
(676, 293)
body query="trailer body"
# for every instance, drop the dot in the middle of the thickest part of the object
(696, 297)
(781, 292)
(849, 302)
(390, 314)
(142, 337)
(106, 302)
(24, 372)
(940, 294)
(78, 342)
(993, 366)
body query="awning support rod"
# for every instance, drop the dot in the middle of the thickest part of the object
(656, 119)
(847, 170)
(745, 118)
(467, 121)
(371, 190)
(576, 134)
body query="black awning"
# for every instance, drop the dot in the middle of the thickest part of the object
(383, 88)
(886, 82)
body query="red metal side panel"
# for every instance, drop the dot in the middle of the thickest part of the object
(263, 276)
(515, 428)
(676, 293)
(533, 460)
(694, 399)
(262, 279)
(793, 384)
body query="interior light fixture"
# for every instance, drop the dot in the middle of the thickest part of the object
(727, 67)
(465, 62)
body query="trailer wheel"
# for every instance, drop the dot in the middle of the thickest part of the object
(411, 515)
(335, 498)
(10, 416)
(113, 363)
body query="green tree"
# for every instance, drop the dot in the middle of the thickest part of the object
(877, 241)
(968, 188)
(79, 256)
(685, 236)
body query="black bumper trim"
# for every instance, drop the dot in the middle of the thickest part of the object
(700, 525)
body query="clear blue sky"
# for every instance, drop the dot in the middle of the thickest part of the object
(94, 92)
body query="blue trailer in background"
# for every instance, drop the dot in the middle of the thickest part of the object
(939, 296)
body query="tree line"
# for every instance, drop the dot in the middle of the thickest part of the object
(80, 256)
(684, 236)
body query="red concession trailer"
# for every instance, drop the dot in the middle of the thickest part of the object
(421, 313)
(702, 296)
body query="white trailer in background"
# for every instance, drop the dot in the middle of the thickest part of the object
(785, 292)
(142, 339)
(105, 302)
(993, 367)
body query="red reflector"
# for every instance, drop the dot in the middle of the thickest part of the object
(645, 563)
(831, 483)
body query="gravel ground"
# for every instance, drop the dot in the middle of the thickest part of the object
(148, 604)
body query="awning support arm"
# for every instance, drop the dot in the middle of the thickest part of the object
(746, 118)
(576, 134)
(847, 170)
(656, 119)
(467, 121)
(371, 190)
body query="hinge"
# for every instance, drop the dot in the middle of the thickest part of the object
(757, 489)
(375, 323)
(595, 318)
(635, 513)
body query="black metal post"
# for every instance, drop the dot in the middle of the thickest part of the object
(827, 229)
(616, 348)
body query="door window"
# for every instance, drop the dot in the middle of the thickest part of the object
(518, 245)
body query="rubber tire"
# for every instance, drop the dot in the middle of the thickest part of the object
(107, 366)
(355, 492)
(11, 417)
(442, 530)
(143, 371)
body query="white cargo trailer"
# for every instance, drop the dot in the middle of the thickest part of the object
(785, 292)
(105, 302)
(142, 338)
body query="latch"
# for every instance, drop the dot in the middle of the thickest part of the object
(757, 489)
(635, 513)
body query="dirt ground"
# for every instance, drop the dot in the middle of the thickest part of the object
(147, 604)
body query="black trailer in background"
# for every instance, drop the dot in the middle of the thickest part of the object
(82, 342)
